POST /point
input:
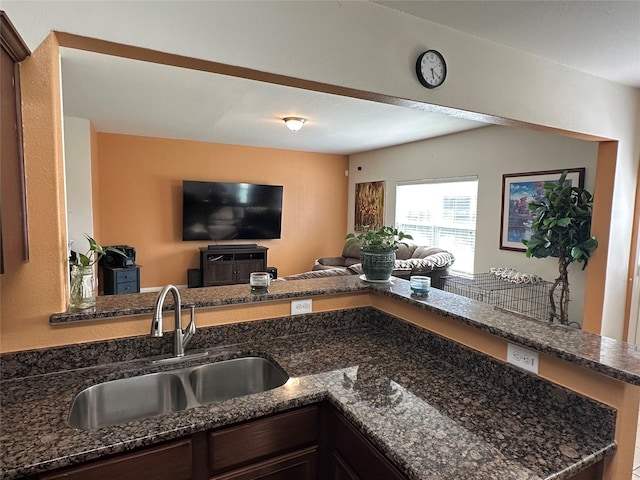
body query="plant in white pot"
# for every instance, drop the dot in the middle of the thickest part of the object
(378, 251)
(561, 228)
(82, 294)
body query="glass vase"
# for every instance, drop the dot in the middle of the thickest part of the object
(83, 288)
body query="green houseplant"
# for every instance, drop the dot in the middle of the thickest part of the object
(561, 228)
(378, 250)
(82, 294)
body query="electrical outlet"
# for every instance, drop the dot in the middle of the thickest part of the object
(299, 307)
(523, 357)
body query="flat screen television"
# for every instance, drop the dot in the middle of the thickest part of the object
(230, 211)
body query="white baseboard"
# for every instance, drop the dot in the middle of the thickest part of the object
(157, 289)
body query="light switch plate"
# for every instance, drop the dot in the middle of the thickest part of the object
(299, 307)
(523, 357)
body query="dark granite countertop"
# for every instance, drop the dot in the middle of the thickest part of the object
(436, 409)
(604, 355)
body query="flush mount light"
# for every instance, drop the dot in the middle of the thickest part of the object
(294, 123)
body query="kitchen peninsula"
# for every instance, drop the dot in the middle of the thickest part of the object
(422, 379)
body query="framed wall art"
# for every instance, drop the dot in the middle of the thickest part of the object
(520, 189)
(369, 205)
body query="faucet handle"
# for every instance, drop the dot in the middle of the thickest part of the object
(191, 328)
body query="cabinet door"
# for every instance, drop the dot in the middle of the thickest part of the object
(259, 440)
(294, 466)
(218, 273)
(340, 470)
(245, 267)
(14, 242)
(171, 461)
(353, 456)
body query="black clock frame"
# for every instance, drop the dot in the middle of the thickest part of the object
(421, 78)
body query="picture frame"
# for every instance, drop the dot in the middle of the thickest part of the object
(520, 189)
(369, 205)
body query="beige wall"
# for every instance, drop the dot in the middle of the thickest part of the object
(366, 46)
(78, 181)
(506, 85)
(140, 185)
(486, 153)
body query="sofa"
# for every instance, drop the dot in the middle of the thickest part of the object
(411, 259)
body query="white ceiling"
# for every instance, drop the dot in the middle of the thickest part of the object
(140, 98)
(125, 96)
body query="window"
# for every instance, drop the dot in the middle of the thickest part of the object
(441, 213)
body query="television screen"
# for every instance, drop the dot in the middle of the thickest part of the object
(230, 211)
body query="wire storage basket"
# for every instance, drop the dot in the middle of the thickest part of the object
(527, 299)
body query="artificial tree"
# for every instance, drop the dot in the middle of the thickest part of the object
(561, 228)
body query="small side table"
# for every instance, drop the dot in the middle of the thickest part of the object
(118, 281)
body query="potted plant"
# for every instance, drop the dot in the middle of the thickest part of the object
(83, 292)
(561, 228)
(378, 250)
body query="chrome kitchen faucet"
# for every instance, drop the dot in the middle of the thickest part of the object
(182, 337)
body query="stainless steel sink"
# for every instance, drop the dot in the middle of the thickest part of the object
(121, 401)
(216, 382)
(143, 396)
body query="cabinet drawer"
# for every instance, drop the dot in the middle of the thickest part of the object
(127, 287)
(126, 275)
(238, 446)
(299, 465)
(172, 461)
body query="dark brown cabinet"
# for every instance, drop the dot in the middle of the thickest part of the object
(350, 456)
(301, 465)
(14, 244)
(171, 461)
(308, 443)
(280, 447)
(227, 266)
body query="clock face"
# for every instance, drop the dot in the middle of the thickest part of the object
(431, 69)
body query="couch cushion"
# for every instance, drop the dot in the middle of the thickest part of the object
(331, 272)
(351, 261)
(406, 250)
(351, 250)
(423, 252)
(435, 261)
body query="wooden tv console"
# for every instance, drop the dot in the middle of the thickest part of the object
(226, 265)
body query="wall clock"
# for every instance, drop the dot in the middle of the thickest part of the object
(431, 69)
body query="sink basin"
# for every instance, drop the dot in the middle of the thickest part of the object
(220, 381)
(143, 396)
(121, 401)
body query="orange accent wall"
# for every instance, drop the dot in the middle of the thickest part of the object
(37, 288)
(601, 229)
(140, 200)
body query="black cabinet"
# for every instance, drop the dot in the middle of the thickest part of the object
(118, 281)
(229, 265)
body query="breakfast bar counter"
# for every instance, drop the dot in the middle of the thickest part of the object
(433, 407)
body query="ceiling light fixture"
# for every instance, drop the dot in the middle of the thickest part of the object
(294, 123)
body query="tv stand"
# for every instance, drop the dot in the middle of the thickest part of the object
(230, 264)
